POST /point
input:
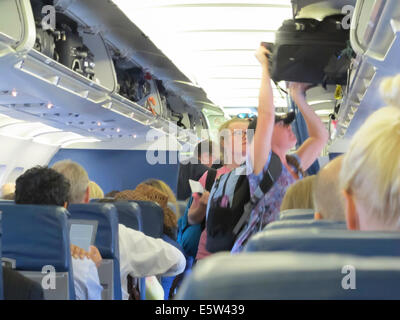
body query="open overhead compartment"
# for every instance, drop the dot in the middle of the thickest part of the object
(64, 75)
(375, 39)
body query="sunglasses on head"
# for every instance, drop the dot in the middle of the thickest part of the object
(246, 116)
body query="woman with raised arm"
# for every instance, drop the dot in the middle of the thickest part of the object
(274, 134)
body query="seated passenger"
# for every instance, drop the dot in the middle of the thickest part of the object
(370, 175)
(44, 186)
(7, 189)
(111, 194)
(163, 187)
(328, 199)
(95, 191)
(299, 195)
(10, 196)
(147, 192)
(140, 255)
(274, 134)
(18, 287)
(171, 283)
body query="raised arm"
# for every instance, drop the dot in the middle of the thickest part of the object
(261, 143)
(318, 135)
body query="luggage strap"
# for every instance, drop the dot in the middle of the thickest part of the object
(273, 172)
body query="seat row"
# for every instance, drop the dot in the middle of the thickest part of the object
(38, 236)
(298, 257)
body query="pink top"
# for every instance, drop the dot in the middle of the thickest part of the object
(201, 251)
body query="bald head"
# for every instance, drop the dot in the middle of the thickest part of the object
(328, 200)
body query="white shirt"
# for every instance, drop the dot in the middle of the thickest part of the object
(142, 256)
(86, 280)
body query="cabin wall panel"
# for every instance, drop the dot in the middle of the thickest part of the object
(120, 169)
(22, 153)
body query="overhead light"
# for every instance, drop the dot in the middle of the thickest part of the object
(14, 92)
(312, 103)
(50, 105)
(323, 112)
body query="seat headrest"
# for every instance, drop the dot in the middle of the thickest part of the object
(35, 236)
(107, 230)
(152, 218)
(129, 214)
(324, 224)
(317, 240)
(296, 214)
(288, 275)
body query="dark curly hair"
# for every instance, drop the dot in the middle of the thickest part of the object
(42, 185)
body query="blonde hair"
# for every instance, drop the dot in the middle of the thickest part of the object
(77, 177)
(95, 192)
(7, 188)
(327, 196)
(371, 167)
(299, 195)
(163, 187)
(390, 90)
(221, 134)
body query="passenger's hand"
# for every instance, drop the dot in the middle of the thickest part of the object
(95, 255)
(261, 55)
(298, 91)
(78, 253)
(204, 198)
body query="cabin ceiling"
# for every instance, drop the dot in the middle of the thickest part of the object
(213, 43)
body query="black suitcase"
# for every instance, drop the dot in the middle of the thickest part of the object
(70, 50)
(132, 83)
(306, 49)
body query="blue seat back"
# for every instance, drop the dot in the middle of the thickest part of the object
(129, 214)
(317, 240)
(107, 240)
(289, 275)
(36, 236)
(152, 218)
(297, 214)
(301, 224)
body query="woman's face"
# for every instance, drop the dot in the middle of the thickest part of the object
(283, 136)
(235, 142)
